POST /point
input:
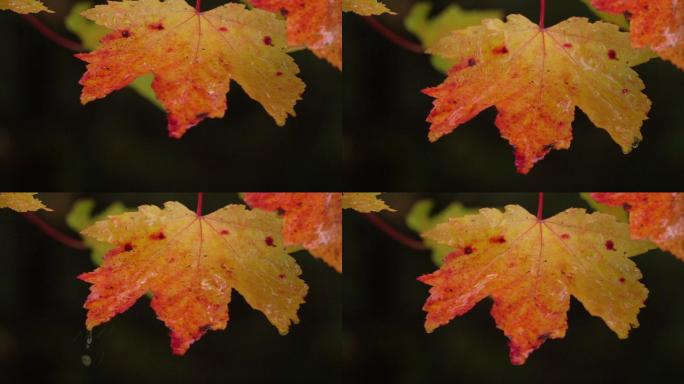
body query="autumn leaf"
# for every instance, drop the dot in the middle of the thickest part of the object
(23, 6)
(190, 263)
(431, 29)
(314, 220)
(658, 217)
(657, 24)
(364, 202)
(618, 19)
(619, 212)
(90, 35)
(530, 268)
(193, 57)
(536, 77)
(365, 7)
(421, 220)
(21, 202)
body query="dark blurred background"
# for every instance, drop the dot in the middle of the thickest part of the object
(42, 322)
(386, 146)
(383, 316)
(49, 140)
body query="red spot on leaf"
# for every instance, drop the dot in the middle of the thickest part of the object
(279, 73)
(502, 50)
(223, 29)
(622, 280)
(468, 250)
(225, 232)
(567, 45)
(268, 40)
(472, 62)
(625, 91)
(498, 239)
(565, 236)
(284, 11)
(610, 245)
(158, 236)
(125, 33)
(612, 54)
(269, 241)
(128, 247)
(281, 276)
(157, 26)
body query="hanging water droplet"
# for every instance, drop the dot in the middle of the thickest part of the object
(86, 360)
(89, 339)
(636, 143)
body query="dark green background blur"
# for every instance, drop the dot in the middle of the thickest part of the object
(42, 322)
(48, 140)
(383, 317)
(386, 146)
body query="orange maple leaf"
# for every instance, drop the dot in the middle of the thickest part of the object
(193, 56)
(536, 77)
(190, 263)
(21, 202)
(314, 220)
(658, 217)
(657, 24)
(530, 267)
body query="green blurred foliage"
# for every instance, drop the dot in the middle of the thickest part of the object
(618, 212)
(81, 216)
(620, 20)
(430, 29)
(420, 220)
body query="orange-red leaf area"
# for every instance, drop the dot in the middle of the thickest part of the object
(657, 24)
(316, 24)
(313, 220)
(658, 217)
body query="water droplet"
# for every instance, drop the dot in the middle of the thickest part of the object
(89, 339)
(636, 143)
(86, 360)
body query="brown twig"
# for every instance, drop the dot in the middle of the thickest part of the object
(393, 37)
(395, 234)
(54, 232)
(52, 35)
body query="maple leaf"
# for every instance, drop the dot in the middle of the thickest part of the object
(535, 77)
(658, 217)
(314, 220)
(190, 263)
(23, 6)
(364, 202)
(657, 24)
(431, 29)
(193, 57)
(21, 202)
(365, 7)
(530, 268)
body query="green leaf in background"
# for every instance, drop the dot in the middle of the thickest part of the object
(90, 34)
(619, 212)
(620, 20)
(419, 220)
(430, 30)
(81, 216)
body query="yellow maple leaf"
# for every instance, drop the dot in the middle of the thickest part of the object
(193, 57)
(365, 7)
(364, 202)
(190, 263)
(530, 268)
(536, 77)
(23, 6)
(21, 202)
